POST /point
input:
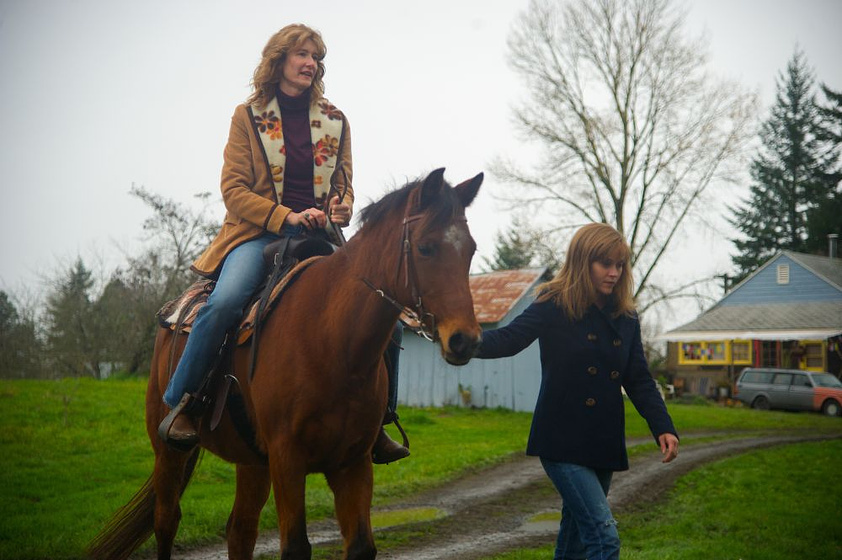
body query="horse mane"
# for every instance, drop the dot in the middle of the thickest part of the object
(439, 212)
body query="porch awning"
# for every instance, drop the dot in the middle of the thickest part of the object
(809, 320)
(757, 334)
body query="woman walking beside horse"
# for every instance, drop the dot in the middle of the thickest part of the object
(589, 335)
(287, 171)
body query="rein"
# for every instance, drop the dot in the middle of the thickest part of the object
(426, 321)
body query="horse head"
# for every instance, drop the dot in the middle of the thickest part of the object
(433, 259)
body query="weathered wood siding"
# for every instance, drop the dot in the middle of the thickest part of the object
(763, 287)
(427, 380)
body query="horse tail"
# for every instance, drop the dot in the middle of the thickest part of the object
(134, 523)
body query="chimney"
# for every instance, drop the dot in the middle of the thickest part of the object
(831, 244)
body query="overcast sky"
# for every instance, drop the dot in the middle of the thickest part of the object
(96, 95)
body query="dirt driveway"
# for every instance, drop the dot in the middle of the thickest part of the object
(492, 511)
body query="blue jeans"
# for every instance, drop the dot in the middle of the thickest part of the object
(587, 530)
(242, 273)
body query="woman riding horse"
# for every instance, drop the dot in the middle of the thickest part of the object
(316, 402)
(288, 150)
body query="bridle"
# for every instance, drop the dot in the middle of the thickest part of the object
(426, 321)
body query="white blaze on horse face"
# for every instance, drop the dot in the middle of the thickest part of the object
(456, 236)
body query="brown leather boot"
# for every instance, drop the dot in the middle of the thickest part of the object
(183, 430)
(387, 450)
(178, 429)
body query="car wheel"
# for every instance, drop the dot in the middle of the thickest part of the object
(761, 403)
(831, 408)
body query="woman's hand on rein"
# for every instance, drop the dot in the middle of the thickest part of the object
(340, 213)
(311, 218)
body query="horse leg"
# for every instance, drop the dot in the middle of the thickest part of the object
(168, 480)
(288, 480)
(253, 485)
(352, 491)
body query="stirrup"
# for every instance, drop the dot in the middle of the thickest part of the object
(386, 450)
(391, 417)
(183, 407)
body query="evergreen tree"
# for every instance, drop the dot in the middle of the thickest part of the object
(832, 113)
(826, 217)
(519, 248)
(72, 331)
(20, 348)
(512, 250)
(789, 174)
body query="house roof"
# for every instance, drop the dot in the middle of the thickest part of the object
(782, 321)
(772, 320)
(826, 268)
(496, 293)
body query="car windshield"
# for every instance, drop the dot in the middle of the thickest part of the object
(826, 380)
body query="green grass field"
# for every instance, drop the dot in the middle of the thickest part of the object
(73, 451)
(774, 504)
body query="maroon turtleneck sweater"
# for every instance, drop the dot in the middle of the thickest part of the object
(298, 174)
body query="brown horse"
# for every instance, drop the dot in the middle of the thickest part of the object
(319, 390)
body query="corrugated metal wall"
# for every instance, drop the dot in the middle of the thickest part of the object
(427, 380)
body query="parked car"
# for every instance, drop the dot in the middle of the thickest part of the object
(790, 389)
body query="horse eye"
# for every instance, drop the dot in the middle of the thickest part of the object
(426, 250)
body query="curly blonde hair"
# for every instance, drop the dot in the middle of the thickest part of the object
(572, 289)
(268, 73)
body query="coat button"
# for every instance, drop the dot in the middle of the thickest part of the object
(615, 374)
(590, 402)
(617, 342)
(592, 370)
(591, 337)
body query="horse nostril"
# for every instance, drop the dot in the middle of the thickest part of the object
(461, 344)
(457, 343)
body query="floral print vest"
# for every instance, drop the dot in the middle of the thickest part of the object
(326, 128)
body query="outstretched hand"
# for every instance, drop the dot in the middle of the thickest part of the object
(669, 446)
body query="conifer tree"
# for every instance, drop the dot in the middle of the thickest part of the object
(789, 174)
(826, 217)
(522, 247)
(20, 348)
(72, 336)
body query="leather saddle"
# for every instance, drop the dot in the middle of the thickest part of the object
(285, 259)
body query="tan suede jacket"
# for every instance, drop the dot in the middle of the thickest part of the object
(252, 204)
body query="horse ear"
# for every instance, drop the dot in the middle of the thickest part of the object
(431, 187)
(467, 190)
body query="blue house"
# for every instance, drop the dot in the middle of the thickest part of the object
(513, 383)
(788, 313)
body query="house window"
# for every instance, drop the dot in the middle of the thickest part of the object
(814, 355)
(783, 274)
(715, 352)
(769, 354)
(691, 352)
(741, 352)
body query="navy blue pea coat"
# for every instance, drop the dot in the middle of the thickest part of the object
(579, 417)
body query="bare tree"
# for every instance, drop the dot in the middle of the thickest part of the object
(175, 235)
(632, 130)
